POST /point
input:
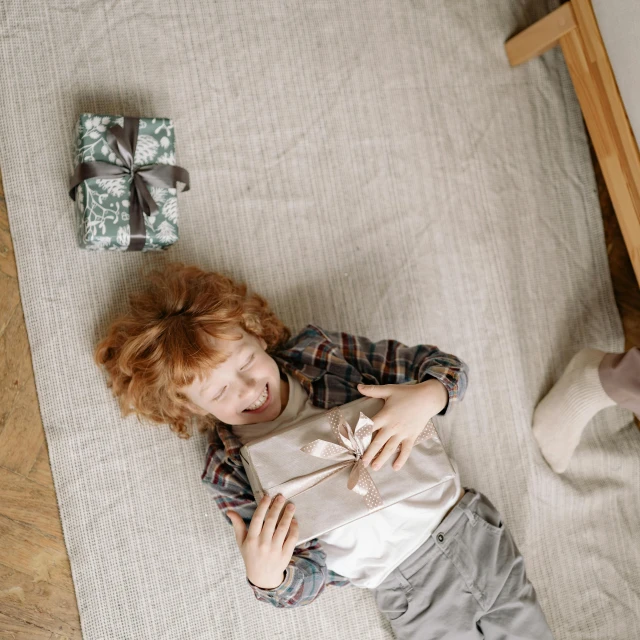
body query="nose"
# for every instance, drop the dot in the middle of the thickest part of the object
(249, 388)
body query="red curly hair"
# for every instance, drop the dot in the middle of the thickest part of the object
(162, 343)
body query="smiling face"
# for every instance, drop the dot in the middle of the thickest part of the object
(245, 389)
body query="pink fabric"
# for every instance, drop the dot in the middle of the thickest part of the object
(620, 378)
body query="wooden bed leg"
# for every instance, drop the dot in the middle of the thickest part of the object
(540, 36)
(573, 25)
(604, 129)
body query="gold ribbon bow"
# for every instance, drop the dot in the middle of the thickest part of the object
(349, 453)
(354, 444)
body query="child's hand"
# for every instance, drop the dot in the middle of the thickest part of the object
(406, 411)
(265, 548)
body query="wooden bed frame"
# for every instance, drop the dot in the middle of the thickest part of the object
(573, 25)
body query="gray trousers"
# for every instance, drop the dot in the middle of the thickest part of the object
(620, 378)
(466, 582)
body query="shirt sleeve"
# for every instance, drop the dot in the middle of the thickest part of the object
(391, 362)
(305, 578)
(307, 574)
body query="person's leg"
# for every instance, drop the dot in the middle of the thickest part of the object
(561, 416)
(467, 582)
(511, 605)
(620, 378)
(426, 598)
(488, 554)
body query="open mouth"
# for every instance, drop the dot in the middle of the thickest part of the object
(265, 398)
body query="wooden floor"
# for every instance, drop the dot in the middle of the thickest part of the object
(37, 599)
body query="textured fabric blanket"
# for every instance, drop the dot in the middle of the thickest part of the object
(371, 166)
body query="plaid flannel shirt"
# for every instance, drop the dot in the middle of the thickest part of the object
(329, 365)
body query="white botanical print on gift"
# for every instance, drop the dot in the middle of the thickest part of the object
(166, 232)
(103, 203)
(123, 236)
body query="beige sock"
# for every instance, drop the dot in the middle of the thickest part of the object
(563, 413)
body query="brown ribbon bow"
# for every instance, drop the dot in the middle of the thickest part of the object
(349, 453)
(123, 142)
(354, 444)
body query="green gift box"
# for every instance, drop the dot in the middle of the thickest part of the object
(124, 184)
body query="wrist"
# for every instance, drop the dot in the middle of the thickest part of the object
(268, 588)
(437, 392)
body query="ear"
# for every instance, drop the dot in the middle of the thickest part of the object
(263, 343)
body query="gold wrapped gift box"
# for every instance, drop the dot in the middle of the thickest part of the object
(315, 464)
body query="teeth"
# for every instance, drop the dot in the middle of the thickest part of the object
(260, 401)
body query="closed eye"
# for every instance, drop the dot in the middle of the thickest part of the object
(219, 395)
(251, 359)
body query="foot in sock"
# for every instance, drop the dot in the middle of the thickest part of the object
(565, 411)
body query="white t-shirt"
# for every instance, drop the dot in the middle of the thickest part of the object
(367, 550)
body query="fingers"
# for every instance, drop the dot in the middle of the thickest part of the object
(376, 444)
(272, 516)
(255, 527)
(375, 390)
(405, 450)
(265, 519)
(292, 539)
(283, 526)
(387, 451)
(239, 527)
